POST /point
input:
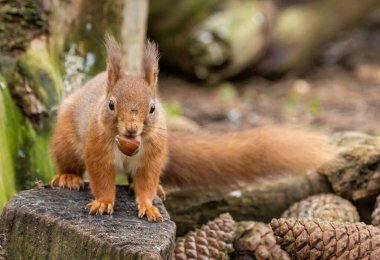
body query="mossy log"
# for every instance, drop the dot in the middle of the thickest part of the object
(302, 29)
(210, 44)
(21, 149)
(227, 42)
(50, 223)
(355, 173)
(249, 36)
(171, 22)
(256, 201)
(8, 145)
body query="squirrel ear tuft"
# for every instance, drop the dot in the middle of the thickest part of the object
(113, 60)
(151, 58)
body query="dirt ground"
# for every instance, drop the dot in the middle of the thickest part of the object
(339, 92)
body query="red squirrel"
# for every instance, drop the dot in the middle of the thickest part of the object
(116, 109)
(113, 104)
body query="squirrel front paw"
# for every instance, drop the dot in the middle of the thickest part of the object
(150, 211)
(99, 207)
(67, 180)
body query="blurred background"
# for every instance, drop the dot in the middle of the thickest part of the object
(225, 65)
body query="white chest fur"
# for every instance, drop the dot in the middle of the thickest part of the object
(127, 164)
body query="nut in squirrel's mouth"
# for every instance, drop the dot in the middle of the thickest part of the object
(128, 145)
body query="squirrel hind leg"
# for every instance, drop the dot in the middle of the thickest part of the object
(68, 181)
(66, 149)
(69, 175)
(161, 192)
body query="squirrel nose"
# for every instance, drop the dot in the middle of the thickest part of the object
(131, 132)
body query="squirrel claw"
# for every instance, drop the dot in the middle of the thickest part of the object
(98, 207)
(68, 181)
(151, 213)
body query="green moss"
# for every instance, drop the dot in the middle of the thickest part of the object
(24, 153)
(9, 140)
(227, 91)
(315, 106)
(42, 71)
(122, 179)
(290, 107)
(27, 145)
(172, 109)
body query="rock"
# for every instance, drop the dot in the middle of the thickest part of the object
(355, 173)
(324, 206)
(54, 224)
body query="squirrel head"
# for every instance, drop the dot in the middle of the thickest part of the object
(130, 103)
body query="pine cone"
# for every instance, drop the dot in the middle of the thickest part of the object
(318, 239)
(255, 240)
(213, 240)
(376, 213)
(324, 206)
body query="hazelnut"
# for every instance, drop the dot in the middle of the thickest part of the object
(128, 146)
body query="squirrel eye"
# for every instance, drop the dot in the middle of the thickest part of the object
(111, 105)
(152, 108)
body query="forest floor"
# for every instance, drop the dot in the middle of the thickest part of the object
(339, 92)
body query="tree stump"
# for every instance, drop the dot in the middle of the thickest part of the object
(51, 223)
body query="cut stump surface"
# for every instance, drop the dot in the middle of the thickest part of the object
(54, 224)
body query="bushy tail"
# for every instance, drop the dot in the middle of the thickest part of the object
(233, 158)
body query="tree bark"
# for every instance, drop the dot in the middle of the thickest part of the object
(134, 33)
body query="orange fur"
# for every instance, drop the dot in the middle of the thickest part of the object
(84, 136)
(151, 63)
(231, 158)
